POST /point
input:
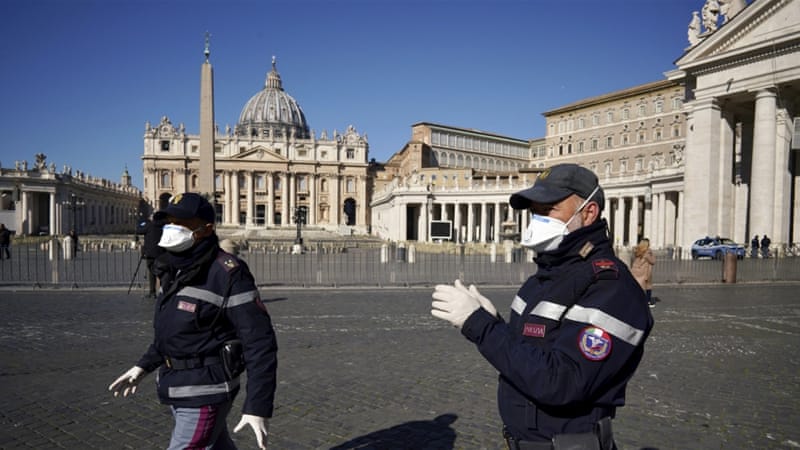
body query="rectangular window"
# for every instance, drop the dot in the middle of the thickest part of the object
(659, 107)
(610, 117)
(194, 149)
(609, 142)
(260, 182)
(351, 153)
(626, 114)
(641, 138)
(595, 120)
(164, 146)
(642, 110)
(580, 147)
(594, 144)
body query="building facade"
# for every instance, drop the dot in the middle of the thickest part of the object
(742, 174)
(634, 140)
(450, 183)
(710, 150)
(267, 168)
(37, 200)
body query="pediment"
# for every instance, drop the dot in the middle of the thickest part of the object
(260, 154)
(757, 29)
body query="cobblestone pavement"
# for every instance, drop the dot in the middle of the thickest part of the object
(372, 369)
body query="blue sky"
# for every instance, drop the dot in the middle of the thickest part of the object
(80, 78)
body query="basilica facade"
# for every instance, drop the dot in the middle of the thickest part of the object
(269, 170)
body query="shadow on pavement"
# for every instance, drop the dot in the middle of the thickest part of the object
(418, 434)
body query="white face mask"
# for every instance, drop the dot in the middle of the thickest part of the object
(176, 238)
(545, 234)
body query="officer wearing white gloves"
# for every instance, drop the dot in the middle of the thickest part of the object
(210, 325)
(576, 329)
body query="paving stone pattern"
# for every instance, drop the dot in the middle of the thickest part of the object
(372, 369)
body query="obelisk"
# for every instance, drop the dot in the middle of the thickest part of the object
(207, 132)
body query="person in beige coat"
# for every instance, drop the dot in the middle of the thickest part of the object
(642, 268)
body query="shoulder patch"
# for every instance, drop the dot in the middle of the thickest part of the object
(594, 343)
(227, 261)
(605, 269)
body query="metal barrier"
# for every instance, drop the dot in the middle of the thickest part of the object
(107, 263)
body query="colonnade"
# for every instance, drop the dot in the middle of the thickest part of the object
(273, 202)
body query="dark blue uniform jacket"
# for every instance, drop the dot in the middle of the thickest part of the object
(209, 297)
(575, 337)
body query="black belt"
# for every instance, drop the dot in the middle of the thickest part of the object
(191, 363)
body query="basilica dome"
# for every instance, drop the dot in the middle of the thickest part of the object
(272, 112)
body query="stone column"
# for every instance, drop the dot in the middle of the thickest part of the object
(497, 221)
(235, 199)
(52, 219)
(633, 222)
(619, 222)
(484, 220)
(226, 200)
(250, 198)
(470, 222)
(702, 175)
(763, 170)
(658, 219)
(270, 219)
(783, 178)
(313, 204)
(285, 199)
(336, 208)
(679, 220)
(456, 222)
(669, 220)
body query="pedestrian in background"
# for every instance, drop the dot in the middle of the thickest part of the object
(5, 242)
(151, 229)
(765, 242)
(209, 327)
(642, 268)
(754, 247)
(576, 329)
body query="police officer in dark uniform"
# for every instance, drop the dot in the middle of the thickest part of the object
(151, 230)
(209, 326)
(577, 327)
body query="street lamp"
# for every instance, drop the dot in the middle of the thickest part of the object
(74, 204)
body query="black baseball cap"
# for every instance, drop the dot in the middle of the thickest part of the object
(187, 206)
(557, 183)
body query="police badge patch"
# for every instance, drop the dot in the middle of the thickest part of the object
(594, 343)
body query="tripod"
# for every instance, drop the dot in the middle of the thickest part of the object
(138, 265)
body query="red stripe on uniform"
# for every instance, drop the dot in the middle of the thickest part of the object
(202, 432)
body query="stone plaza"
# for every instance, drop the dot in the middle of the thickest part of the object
(372, 369)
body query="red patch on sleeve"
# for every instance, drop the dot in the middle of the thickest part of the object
(533, 330)
(186, 306)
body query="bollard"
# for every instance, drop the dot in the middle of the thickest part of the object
(384, 254)
(412, 253)
(493, 253)
(68, 248)
(729, 268)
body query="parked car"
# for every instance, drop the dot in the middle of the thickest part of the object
(716, 248)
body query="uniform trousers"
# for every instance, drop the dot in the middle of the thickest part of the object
(203, 428)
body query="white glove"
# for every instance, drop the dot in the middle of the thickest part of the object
(453, 303)
(260, 427)
(128, 381)
(485, 302)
